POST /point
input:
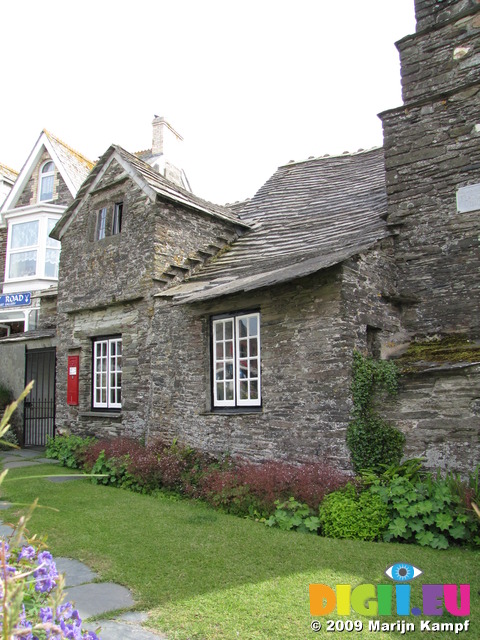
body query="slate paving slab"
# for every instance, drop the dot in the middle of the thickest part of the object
(76, 572)
(98, 598)
(116, 630)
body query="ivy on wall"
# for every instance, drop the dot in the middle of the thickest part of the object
(373, 443)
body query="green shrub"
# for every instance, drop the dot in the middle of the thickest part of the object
(373, 443)
(6, 398)
(357, 516)
(70, 450)
(294, 515)
(429, 511)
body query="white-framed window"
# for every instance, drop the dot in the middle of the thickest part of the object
(117, 218)
(101, 224)
(107, 373)
(236, 361)
(31, 253)
(47, 174)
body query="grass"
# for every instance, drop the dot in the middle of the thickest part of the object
(209, 576)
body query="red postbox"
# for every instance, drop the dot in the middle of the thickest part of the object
(72, 381)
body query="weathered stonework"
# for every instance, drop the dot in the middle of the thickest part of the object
(106, 288)
(305, 367)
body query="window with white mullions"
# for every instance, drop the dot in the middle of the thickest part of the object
(107, 373)
(236, 361)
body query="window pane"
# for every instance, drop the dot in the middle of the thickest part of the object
(117, 218)
(242, 327)
(253, 347)
(24, 234)
(253, 326)
(23, 264)
(244, 390)
(243, 347)
(229, 370)
(47, 168)
(220, 391)
(253, 369)
(219, 351)
(51, 242)
(220, 373)
(229, 330)
(254, 390)
(219, 331)
(46, 188)
(101, 224)
(229, 390)
(229, 349)
(51, 263)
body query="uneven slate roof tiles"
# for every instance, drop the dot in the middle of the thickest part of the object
(307, 216)
(161, 186)
(76, 165)
(9, 173)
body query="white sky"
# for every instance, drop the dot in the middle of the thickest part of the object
(250, 85)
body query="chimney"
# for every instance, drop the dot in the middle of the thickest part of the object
(165, 140)
(166, 152)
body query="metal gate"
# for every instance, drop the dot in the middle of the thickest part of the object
(39, 407)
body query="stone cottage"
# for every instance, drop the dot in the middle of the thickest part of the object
(233, 329)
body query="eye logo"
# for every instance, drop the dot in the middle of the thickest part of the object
(402, 572)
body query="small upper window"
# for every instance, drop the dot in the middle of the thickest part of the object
(101, 224)
(117, 218)
(47, 173)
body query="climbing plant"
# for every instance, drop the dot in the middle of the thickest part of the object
(373, 443)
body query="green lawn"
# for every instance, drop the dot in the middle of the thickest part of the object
(206, 575)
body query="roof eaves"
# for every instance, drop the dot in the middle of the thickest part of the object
(186, 294)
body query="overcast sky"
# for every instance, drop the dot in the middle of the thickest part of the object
(250, 85)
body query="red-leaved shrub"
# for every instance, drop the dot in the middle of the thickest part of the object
(240, 487)
(255, 487)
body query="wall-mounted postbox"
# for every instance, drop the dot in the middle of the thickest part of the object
(72, 382)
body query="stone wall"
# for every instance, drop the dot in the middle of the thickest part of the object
(431, 150)
(439, 412)
(439, 59)
(106, 288)
(433, 12)
(75, 331)
(305, 363)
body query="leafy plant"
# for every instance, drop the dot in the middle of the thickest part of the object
(357, 516)
(294, 515)
(373, 443)
(69, 449)
(428, 511)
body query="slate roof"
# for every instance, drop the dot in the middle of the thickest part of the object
(10, 174)
(76, 165)
(308, 216)
(150, 179)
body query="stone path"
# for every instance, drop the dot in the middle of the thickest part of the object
(92, 598)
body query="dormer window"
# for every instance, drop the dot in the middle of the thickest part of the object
(47, 173)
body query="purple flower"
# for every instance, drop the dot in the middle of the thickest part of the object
(46, 614)
(27, 553)
(46, 573)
